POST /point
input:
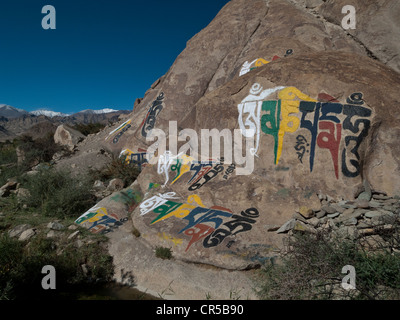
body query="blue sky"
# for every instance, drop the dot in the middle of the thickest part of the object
(102, 54)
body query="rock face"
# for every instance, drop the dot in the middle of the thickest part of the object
(305, 108)
(67, 136)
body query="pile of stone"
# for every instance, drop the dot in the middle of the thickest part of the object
(364, 218)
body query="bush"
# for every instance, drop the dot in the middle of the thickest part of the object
(117, 168)
(311, 269)
(163, 253)
(89, 128)
(39, 150)
(58, 194)
(8, 153)
(20, 271)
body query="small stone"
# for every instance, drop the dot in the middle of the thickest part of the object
(314, 221)
(338, 208)
(55, 226)
(27, 234)
(328, 209)
(73, 235)
(351, 213)
(288, 225)
(389, 208)
(362, 204)
(52, 234)
(380, 197)
(371, 214)
(349, 206)
(16, 231)
(73, 227)
(333, 215)
(364, 224)
(350, 222)
(320, 214)
(364, 196)
(375, 204)
(300, 226)
(348, 211)
(306, 212)
(298, 216)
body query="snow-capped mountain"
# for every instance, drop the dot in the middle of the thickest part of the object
(102, 111)
(51, 114)
(48, 113)
(11, 112)
(14, 121)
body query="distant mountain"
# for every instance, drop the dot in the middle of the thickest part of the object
(15, 122)
(102, 111)
(52, 114)
(11, 112)
(48, 113)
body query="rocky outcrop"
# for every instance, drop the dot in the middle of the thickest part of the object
(68, 137)
(314, 107)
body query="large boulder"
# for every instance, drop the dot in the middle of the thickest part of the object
(314, 112)
(67, 136)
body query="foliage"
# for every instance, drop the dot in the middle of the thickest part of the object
(8, 153)
(163, 253)
(117, 168)
(89, 128)
(311, 269)
(57, 193)
(39, 150)
(20, 267)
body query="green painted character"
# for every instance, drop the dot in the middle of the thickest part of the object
(272, 117)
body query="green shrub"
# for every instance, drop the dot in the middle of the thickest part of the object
(8, 153)
(39, 150)
(311, 269)
(163, 253)
(11, 171)
(20, 267)
(89, 128)
(117, 168)
(58, 194)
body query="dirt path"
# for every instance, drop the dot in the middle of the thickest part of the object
(173, 279)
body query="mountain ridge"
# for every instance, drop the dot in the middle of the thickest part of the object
(8, 111)
(15, 122)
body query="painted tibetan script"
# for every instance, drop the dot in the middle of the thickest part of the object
(333, 126)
